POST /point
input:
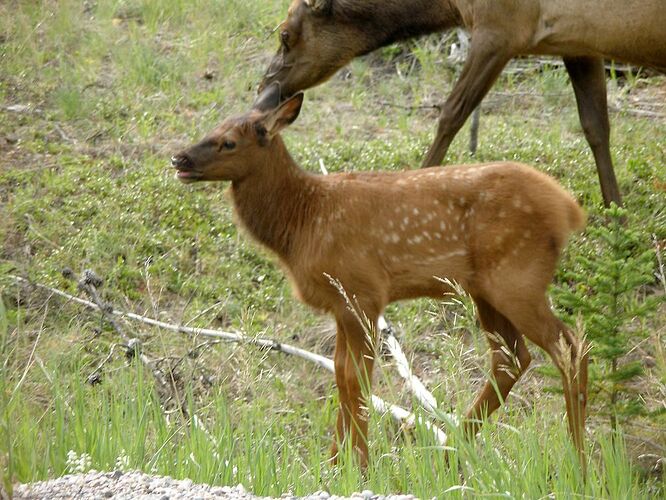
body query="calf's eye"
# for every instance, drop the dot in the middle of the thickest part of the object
(228, 145)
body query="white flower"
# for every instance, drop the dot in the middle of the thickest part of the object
(78, 464)
(123, 461)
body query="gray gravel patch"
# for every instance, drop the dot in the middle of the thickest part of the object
(119, 485)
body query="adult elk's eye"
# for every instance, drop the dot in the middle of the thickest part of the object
(228, 145)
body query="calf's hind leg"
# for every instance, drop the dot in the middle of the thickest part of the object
(510, 359)
(535, 320)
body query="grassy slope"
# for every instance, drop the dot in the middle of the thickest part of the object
(114, 87)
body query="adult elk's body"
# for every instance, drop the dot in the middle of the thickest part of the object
(497, 229)
(320, 36)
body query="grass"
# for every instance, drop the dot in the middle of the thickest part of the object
(112, 88)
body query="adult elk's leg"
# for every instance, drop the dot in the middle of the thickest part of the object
(510, 359)
(589, 84)
(354, 361)
(484, 63)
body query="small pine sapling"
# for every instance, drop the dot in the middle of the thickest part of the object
(607, 297)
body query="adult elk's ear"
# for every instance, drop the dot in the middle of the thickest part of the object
(269, 99)
(320, 6)
(286, 114)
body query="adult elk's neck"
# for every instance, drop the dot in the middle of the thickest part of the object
(387, 21)
(275, 201)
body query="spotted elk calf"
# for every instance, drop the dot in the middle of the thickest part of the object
(497, 229)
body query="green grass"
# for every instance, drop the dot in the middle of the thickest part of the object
(113, 89)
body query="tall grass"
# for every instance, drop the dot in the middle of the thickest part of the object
(121, 425)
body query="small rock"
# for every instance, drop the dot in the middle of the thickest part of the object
(18, 108)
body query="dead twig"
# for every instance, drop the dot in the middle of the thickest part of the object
(167, 388)
(429, 107)
(660, 272)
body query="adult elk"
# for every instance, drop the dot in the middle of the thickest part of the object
(497, 229)
(320, 36)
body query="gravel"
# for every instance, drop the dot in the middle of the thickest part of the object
(137, 485)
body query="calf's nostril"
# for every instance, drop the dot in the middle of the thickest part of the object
(181, 161)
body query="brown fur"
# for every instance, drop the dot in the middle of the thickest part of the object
(495, 228)
(325, 35)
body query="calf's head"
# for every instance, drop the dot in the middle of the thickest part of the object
(240, 145)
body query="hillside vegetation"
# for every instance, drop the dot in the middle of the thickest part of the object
(96, 96)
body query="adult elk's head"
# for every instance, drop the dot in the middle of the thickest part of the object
(317, 38)
(240, 145)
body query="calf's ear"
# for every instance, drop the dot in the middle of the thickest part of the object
(284, 115)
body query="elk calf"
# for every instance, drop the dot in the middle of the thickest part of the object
(496, 228)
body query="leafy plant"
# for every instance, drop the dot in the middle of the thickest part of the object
(608, 297)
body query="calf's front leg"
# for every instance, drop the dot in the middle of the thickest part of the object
(354, 361)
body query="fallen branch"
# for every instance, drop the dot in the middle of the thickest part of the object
(403, 416)
(423, 395)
